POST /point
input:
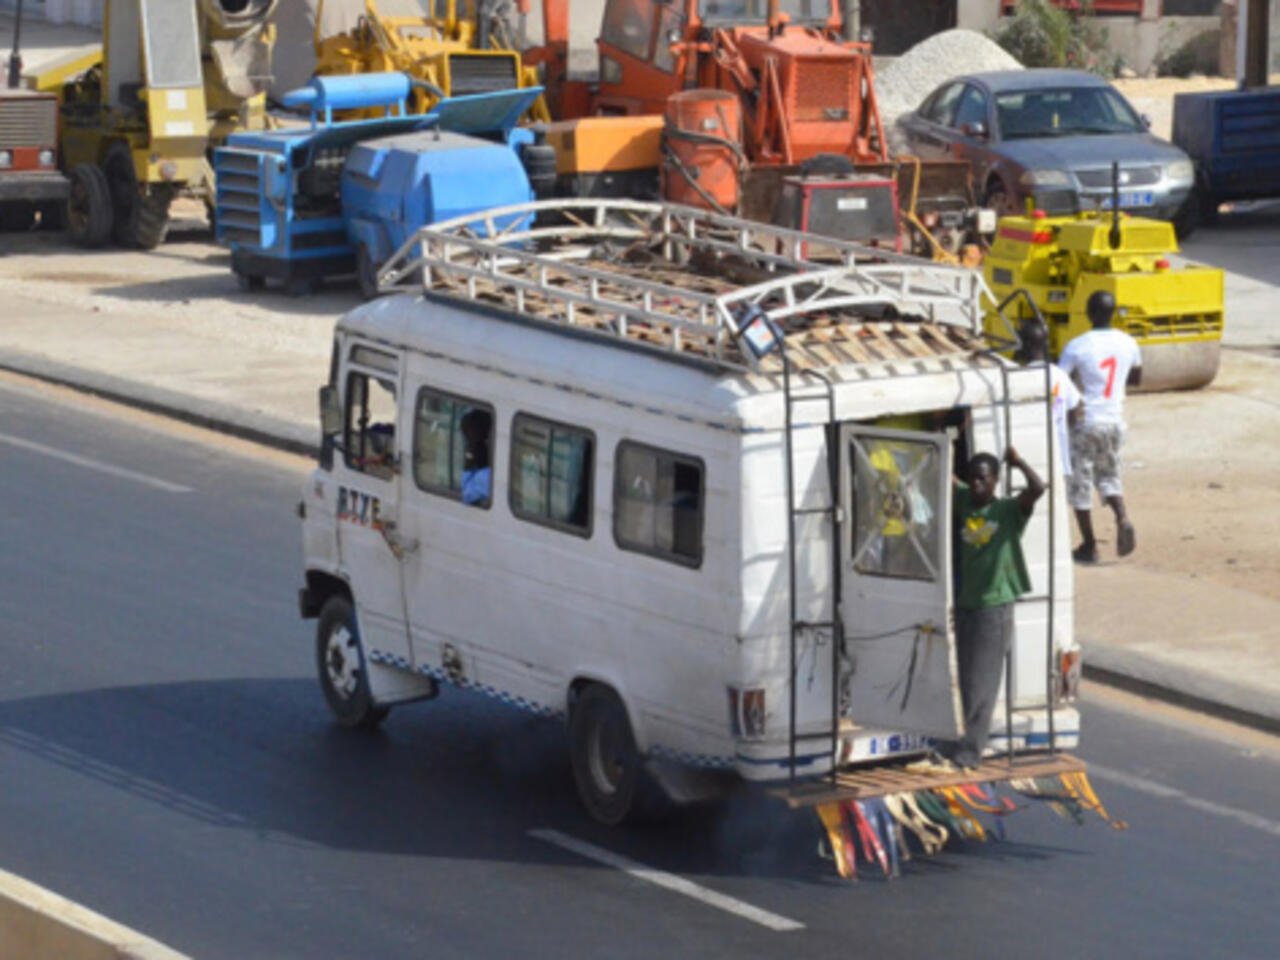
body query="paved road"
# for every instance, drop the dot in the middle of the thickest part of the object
(166, 759)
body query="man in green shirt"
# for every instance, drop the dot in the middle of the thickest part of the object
(992, 575)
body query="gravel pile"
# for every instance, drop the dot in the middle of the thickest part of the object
(904, 84)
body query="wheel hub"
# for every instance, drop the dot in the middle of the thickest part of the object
(342, 662)
(605, 757)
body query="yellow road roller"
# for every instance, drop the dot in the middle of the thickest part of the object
(1175, 313)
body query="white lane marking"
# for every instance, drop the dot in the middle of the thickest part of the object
(1143, 785)
(93, 464)
(668, 880)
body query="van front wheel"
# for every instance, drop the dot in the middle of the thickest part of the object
(340, 661)
(606, 763)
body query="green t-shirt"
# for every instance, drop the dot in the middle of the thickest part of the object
(992, 568)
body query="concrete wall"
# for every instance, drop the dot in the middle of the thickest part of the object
(1147, 41)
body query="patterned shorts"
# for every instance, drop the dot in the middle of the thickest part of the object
(1095, 462)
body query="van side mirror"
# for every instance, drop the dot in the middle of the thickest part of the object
(1146, 120)
(330, 412)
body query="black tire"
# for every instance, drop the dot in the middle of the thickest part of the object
(250, 282)
(340, 662)
(1208, 208)
(141, 217)
(17, 217)
(827, 164)
(998, 198)
(602, 749)
(89, 209)
(366, 272)
(1188, 217)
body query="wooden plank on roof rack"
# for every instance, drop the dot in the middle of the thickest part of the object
(921, 348)
(856, 783)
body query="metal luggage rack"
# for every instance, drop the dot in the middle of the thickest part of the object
(682, 280)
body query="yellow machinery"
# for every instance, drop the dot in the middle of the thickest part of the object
(455, 52)
(175, 78)
(1175, 313)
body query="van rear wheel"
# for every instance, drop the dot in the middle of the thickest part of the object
(340, 661)
(606, 763)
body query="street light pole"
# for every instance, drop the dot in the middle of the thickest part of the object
(15, 58)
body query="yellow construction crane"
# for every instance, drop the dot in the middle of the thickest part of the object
(465, 47)
(175, 78)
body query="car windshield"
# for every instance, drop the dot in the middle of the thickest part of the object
(757, 11)
(1024, 114)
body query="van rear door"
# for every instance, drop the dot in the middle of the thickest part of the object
(895, 554)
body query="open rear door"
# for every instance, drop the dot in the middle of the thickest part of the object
(896, 588)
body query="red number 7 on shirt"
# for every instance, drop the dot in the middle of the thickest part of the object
(1109, 365)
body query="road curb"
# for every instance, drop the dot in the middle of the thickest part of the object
(249, 425)
(38, 924)
(1127, 670)
(1104, 663)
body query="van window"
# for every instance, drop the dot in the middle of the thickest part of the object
(657, 503)
(551, 468)
(453, 447)
(370, 439)
(896, 525)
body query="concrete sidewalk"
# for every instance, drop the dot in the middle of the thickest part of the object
(170, 331)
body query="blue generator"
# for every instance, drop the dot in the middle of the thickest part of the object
(334, 197)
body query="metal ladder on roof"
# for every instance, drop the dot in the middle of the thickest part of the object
(831, 510)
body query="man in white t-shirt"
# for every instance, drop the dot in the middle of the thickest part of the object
(1104, 361)
(1067, 402)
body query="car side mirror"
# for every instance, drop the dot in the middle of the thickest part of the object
(1146, 120)
(330, 412)
(976, 129)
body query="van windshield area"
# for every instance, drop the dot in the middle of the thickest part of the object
(1029, 114)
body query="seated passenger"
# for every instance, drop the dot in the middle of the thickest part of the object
(477, 476)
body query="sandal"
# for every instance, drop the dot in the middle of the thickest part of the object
(1126, 539)
(1085, 554)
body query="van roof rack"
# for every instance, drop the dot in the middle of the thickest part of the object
(688, 282)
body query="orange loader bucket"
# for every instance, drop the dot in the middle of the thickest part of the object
(702, 150)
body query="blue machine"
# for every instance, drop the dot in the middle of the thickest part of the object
(1234, 138)
(339, 197)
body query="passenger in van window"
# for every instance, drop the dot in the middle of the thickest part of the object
(477, 472)
(993, 574)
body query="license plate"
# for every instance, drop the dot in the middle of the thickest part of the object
(1130, 198)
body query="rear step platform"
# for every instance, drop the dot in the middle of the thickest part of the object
(860, 783)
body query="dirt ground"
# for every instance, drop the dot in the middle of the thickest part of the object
(1202, 472)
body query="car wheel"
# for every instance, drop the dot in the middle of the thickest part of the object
(1188, 216)
(606, 763)
(1000, 200)
(340, 661)
(89, 208)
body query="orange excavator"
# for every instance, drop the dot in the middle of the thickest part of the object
(759, 107)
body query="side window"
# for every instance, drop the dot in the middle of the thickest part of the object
(369, 440)
(943, 105)
(971, 109)
(628, 25)
(453, 447)
(670, 24)
(658, 503)
(551, 470)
